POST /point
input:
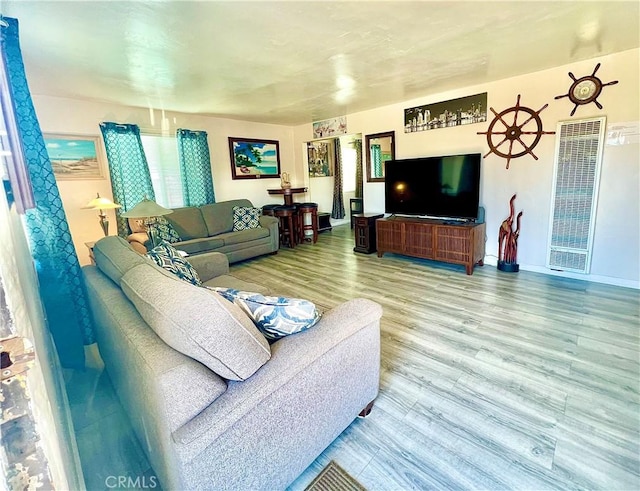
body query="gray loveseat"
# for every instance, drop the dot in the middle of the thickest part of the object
(209, 228)
(276, 408)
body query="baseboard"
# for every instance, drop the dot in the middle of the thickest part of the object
(608, 280)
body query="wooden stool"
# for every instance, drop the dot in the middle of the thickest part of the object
(297, 223)
(303, 209)
(286, 215)
(269, 210)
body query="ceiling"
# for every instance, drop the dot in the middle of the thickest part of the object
(298, 62)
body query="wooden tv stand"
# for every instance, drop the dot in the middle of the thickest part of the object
(440, 240)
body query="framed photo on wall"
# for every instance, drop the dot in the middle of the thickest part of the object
(254, 159)
(322, 157)
(74, 156)
(455, 112)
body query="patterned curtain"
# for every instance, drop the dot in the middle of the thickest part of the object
(357, 144)
(130, 177)
(59, 276)
(338, 200)
(195, 167)
(376, 158)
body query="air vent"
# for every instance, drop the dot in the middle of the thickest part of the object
(575, 193)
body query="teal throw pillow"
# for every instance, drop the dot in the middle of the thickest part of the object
(167, 257)
(245, 218)
(165, 231)
(275, 317)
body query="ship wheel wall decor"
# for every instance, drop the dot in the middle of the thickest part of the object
(522, 136)
(585, 90)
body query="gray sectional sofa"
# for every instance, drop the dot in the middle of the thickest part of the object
(209, 228)
(275, 408)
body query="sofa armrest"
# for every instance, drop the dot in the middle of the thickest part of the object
(272, 224)
(138, 241)
(267, 220)
(210, 265)
(332, 367)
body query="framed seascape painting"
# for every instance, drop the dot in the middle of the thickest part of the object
(74, 156)
(254, 159)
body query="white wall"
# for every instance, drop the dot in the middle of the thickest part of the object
(59, 115)
(617, 237)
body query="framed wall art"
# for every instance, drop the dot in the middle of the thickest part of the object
(74, 156)
(254, 159)
(322, 157)
(455, 112)
(330, 127)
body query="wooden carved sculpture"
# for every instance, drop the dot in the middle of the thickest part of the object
(508, 240)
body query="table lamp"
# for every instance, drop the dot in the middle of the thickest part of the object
(102, 204)
(149, 210)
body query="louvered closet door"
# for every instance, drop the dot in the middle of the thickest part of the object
(575, 194)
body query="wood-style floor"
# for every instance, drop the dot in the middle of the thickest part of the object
(489, 381)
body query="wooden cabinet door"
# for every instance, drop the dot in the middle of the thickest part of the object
(419, 240)
(389, 236)
(453, 244)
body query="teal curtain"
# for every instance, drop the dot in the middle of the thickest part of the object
(376, 158)
(337, 210)
(128, 168)
(195, 167)
(60, 280)
(357, 144)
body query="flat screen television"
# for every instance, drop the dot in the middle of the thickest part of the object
(443, 187)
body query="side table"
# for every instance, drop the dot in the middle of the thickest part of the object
(324, 221)
(287, 193)
(365, 231)
(90, 247)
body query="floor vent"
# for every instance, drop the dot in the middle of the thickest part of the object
(575, 193)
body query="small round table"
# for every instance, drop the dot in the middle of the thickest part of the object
(288, 193)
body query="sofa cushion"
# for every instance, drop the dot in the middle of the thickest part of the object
(275, 317)
(242, 236)
(219, 216)
(165, 231)
(168, 258)
(137, 225)
(197, 322)
(245, 218)
(188, 222)
(197, 246)
(227, 281)
(114, 257)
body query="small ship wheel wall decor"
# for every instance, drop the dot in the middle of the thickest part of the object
(585, 90)
(524, 135)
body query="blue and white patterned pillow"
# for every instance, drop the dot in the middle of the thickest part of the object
(245, 218)
(167, 257)
(275, 317)
(165, 231)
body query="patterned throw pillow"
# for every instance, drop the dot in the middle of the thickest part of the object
(275, 317)
(165, 231)
(167, 257)
(245, 218)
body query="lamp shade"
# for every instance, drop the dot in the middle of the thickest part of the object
(99, 203)
(102, 204)
(146, 208)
